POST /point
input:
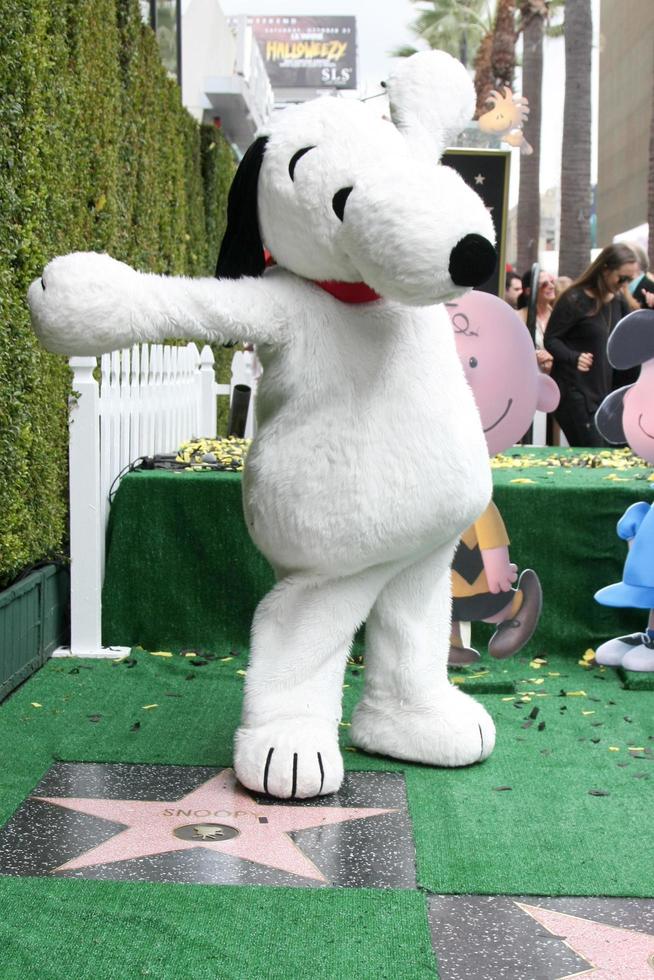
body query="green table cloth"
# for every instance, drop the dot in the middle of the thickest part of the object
(182, 573)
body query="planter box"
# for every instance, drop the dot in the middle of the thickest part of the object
(33, 623)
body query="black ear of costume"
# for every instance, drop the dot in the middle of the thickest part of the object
(241, 251)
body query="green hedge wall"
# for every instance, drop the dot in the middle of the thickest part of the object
(96, 152)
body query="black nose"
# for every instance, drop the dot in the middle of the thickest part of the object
(472, 261)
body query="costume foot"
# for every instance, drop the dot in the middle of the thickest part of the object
(289, 759)
(613, 652)
(511, 635)
(461, 655)
(451, 729)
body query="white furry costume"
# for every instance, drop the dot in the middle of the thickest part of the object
(369, 458)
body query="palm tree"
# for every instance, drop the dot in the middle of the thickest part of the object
(455, 26)
(574, 252)
(533, 14)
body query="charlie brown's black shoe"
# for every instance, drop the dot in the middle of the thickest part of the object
(511, 635)
(461, 655)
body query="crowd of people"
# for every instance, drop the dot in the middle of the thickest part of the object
(571, 322)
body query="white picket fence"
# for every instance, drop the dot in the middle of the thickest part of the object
(149, 400)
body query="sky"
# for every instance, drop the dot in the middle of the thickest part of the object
(383, 25)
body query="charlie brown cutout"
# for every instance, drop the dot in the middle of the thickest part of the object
(499, 362)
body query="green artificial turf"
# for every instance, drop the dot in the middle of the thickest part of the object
(88, 929)
(635, 681)
(566, 734)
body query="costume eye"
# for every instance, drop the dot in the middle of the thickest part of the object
(473, 362)
(294, 159)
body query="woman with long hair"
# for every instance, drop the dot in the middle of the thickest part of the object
(544, 304)
(577, 332)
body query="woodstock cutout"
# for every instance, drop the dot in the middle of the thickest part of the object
(505, 118)
(369, 459)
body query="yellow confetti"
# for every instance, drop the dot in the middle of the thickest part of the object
(35, 704)
(241, 673)
(146, 707)
(346, 685)
(553, 673)
(351, 748)
(537, 662)
(576, 694)
(160, 653)
(636, 748)
(589, 655)
(191, 654)
(225, 660)
(522, 479)
(345, 724)
(508, 699)
(588, 712)
(614, 748)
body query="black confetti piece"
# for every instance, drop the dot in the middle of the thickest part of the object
(94, 718)
(598, 792)
(198, 663)
(502, 789)
(534, 712)
(541, 726)
(135, 727)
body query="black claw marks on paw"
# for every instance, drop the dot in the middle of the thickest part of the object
(266, 770)
(295, 764)
(42, 284)
(481, 736)
(294, 784)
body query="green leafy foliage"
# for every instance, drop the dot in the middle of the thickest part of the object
(96, 153)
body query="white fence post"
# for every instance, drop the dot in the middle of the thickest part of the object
(86, 530)
(207, 399)
(150, 400)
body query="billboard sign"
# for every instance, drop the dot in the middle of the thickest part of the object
(308, 52)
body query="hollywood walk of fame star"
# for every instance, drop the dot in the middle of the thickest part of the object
(262, 829)
(612, 953)
(479, 178)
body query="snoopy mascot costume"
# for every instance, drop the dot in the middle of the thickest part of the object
(369, 459)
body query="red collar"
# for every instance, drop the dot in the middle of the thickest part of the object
(346, 292)
(349, 292)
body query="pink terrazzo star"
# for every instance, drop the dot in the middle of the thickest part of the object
(613, 953)
(262, 830)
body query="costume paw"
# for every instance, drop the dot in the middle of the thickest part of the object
(73, 305)
(450, 730)
(289, 759)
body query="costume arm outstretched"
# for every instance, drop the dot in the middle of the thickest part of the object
(89, 303)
